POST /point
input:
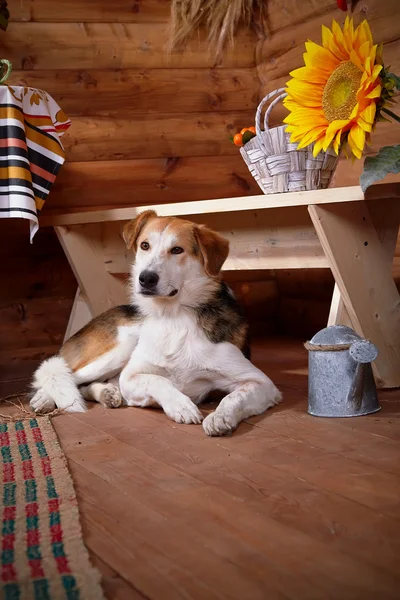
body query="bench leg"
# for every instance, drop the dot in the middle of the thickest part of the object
(79, 317)
(361, 267)
(83, 247)
(384, 219)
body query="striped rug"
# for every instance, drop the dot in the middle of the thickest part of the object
(31, 152)
(42, 553)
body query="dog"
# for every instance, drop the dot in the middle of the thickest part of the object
(182, 337)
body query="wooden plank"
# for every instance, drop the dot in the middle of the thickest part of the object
(112, 46)
(148, 11)
(32, 323)
(80, 186)
(236, 508)
(151, 11)
(83, 248)
(154, 136)
(359, 265)
(127, 92)
(278, 239)
(38, 270)
(79, 317)
(338, 314)
(386, 224)
(250, 464)
(114, 586)
(98, 11)
(224, 205)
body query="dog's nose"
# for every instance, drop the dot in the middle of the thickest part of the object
(148, 279)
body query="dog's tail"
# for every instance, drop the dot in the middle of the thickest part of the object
(56, 380)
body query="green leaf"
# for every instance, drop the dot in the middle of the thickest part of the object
(3, 22)
(395, 79)
(377, 167)
(247, 136)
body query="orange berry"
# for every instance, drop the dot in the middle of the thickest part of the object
(237, 139)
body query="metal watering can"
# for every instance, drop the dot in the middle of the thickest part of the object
(340, 379)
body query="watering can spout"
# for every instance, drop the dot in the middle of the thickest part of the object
(363, 353)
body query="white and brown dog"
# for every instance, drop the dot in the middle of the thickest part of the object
(182, 336)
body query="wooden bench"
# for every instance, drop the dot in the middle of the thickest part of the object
(340, 228)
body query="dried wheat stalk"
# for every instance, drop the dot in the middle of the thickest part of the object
(220, 18)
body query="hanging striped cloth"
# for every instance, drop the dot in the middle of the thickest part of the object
(31, 152)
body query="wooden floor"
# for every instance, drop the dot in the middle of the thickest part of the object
(290, 506)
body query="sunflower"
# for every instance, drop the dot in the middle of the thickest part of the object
(334, 96)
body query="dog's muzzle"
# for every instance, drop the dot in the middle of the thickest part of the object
(148, 282)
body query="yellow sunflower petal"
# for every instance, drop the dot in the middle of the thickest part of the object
(379, 55)
(367, 81)
(306, 94)
(336, 141)
(332, 130)
(329, 42)
(376, 92)
(357, 153)
(354, 112)
(311, 137)
(368, 114)
(348, 34)
(364, 52)
(363, 35)
(356, 60)
(357, 135)
(367, 127)
(372, 54)
(339, 38)
(319, 57)
(310, 74)
(317, 147)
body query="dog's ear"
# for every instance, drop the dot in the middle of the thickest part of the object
(132, 229)
(214, 249)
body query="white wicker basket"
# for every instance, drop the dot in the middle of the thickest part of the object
(277, 165)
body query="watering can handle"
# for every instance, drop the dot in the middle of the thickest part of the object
(363, 352)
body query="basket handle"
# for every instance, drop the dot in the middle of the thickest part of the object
(282, 95)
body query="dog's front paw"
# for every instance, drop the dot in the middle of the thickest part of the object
(183, 410)
(219, 424)
(42, 403)
(110, 396)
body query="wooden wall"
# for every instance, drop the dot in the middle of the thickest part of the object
(148, 127)
(151, 128)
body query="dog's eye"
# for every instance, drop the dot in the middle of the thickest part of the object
(177, 250)
(145, 245)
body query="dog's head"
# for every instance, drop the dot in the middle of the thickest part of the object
(172, 255)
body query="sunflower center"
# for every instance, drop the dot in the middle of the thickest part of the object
(340, 92)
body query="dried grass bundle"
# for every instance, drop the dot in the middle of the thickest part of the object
(220, 18)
